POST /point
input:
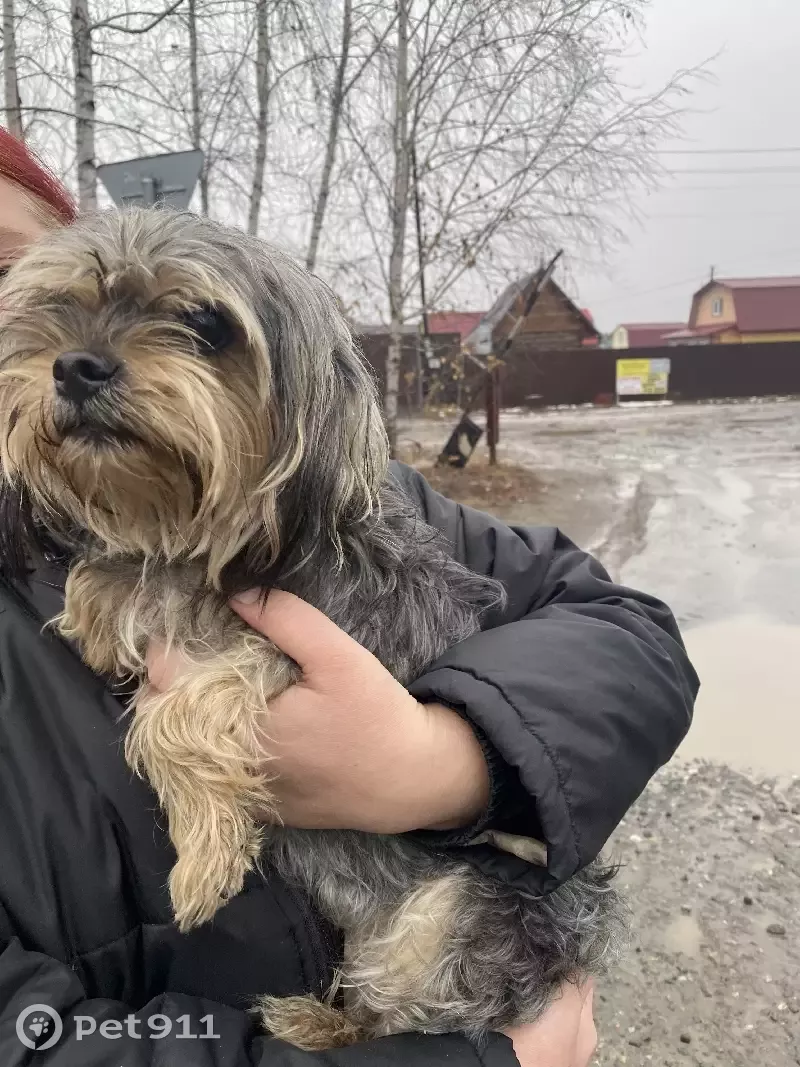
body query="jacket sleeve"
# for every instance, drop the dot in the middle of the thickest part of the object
(195, 1032)
(581, 687)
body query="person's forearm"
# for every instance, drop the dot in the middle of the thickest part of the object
(453, 779)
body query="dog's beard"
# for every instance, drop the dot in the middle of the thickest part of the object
(167, 465)
(254, 441)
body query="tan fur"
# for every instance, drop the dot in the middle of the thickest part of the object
(201, 743)
(263, 458)
(200, 747)
(91, 617)
(174, 403)
(308, 1023)
(388, 965)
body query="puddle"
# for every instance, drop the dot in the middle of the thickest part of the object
(748, 711)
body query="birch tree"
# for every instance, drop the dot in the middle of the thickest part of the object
(364, 31)
(525, 137)
(196, 96)
(338, 93)
(85, 153)
(398, 218)
(262, 120)
(13, 105)
(130, 23)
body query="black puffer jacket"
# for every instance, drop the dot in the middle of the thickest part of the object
(581, 690)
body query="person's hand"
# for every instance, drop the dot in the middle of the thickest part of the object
(565, 1036)
(351, 747)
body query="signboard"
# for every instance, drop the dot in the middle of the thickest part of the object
(643, 377)
(482, 339)
(461, 444)
(168, 179)
(433, 362)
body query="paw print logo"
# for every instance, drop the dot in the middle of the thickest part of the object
(40, 1024)
(39, 1027)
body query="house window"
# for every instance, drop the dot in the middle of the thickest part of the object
(716, 307)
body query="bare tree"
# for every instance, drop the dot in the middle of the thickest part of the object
(399, 218)
(84, 104)
(83, 29)
(522, 135)
(365, 22)
(525, 137)
(337, 99)
(262, 120)
(196, 98)
(13, 106)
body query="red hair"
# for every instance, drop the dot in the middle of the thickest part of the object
(20, 166)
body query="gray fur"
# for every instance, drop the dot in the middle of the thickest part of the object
(337, 534)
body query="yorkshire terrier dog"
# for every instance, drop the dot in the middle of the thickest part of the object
(185, 416)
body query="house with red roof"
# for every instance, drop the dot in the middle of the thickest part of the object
(460, 322)
(741, 310)
(554, 321)
(643, 334)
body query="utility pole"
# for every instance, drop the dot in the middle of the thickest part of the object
(492, 407)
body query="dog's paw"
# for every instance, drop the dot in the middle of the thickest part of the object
(203, 881)
(308, 1023)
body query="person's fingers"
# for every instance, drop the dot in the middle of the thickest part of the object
(301, 631)
(163, 665)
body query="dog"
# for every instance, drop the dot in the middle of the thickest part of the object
(186, 415)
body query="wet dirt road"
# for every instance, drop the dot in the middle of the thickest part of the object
(700, 506)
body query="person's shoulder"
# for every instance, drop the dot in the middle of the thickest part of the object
(410, 481)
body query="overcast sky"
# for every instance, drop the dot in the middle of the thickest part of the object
(742, 223)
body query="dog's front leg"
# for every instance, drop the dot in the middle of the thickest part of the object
(95, 600)
(201, 744)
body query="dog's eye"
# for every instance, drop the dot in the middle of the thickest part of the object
(210, 327)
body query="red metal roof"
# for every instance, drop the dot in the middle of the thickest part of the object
(763, 305)
(461, 322)
(687, 332)
(763, 308)
(650, 334)
(778, 282)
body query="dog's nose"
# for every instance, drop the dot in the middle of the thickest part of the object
(78, 375)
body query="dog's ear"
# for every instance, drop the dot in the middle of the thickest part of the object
(329, 448)
(342, 457)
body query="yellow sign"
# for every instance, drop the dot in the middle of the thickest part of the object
(643, 377)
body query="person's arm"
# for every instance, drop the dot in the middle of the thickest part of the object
(194, 1032)
(580, 688)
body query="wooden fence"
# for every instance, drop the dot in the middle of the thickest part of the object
(531, 377)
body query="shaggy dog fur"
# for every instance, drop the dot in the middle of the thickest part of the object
(234, 439)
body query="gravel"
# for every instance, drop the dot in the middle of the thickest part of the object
(711, 977)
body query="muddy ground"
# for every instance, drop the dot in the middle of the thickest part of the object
(699, 505)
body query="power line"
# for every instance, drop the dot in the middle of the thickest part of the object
(781, 253)
(717, 214)
(739, 170)
(726, 151)
(757, 187)
(646, 292)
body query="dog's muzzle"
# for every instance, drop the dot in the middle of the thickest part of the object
(85, 385)
(81, 375)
